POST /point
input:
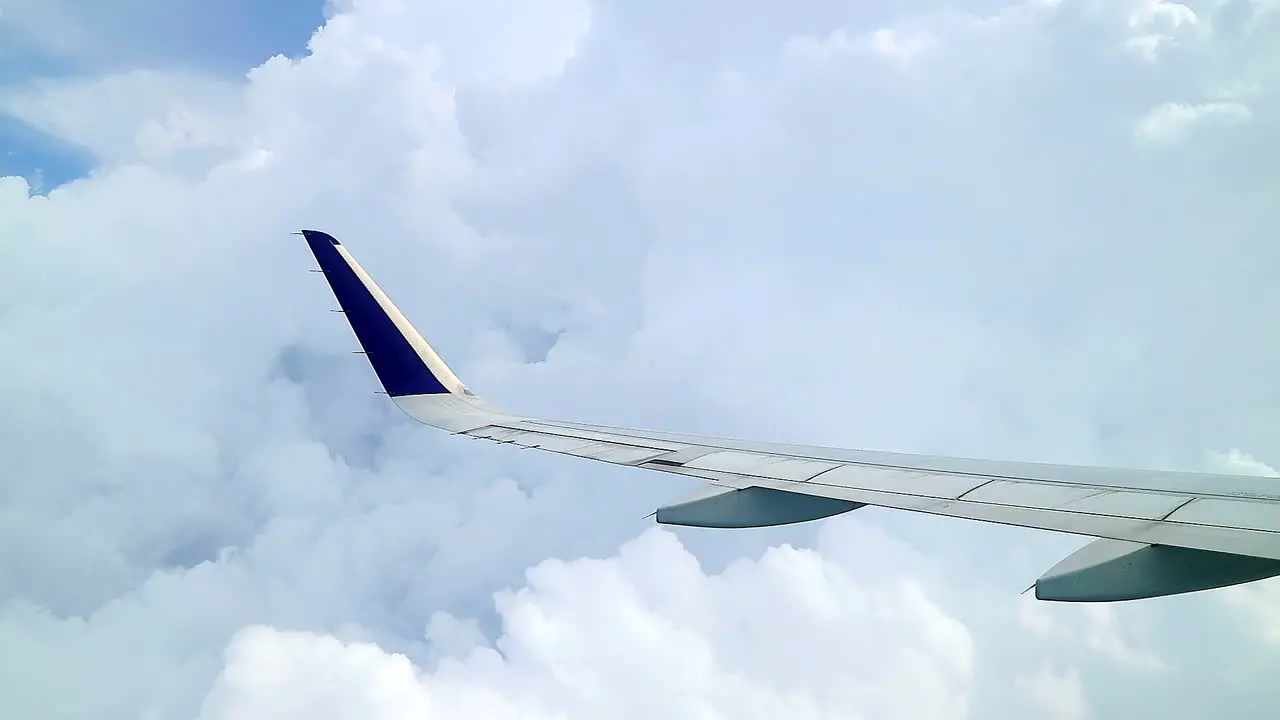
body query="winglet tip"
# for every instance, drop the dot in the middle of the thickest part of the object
(318, 235)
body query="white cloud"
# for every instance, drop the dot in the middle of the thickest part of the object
(138, 115)
(1106, 636)
(1238, 462)
(1148, 46)
(1161, 13)
(1171, 123)
(644, 633)
(1096, 631)
(897, 46)
(1057, 695)
(687, 224)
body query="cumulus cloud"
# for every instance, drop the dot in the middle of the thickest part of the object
(1172, 123)
(141, 115)
(1238, 462)
(740, 222)
(647, 632)
(1058, 695)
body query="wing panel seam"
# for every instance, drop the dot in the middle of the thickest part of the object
(782, 453)
(792, 485)
(1179, 506)
(975, 488)
(1060, 511)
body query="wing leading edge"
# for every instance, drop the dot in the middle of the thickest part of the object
(1157, 532)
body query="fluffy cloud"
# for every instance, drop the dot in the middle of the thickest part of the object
(919, 230)
(1172, 123)
(645, 633)
(1059, 696)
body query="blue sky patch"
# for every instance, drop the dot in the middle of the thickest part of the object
(225, 38)
(46, 162)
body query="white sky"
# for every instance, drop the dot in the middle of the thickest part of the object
(1043, 231)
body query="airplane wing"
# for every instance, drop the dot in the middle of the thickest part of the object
(1158, 532)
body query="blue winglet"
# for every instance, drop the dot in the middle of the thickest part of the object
(400, 366)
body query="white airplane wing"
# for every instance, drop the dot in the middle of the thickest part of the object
(1158, 533)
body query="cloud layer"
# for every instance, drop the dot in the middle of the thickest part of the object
(1040, 231)
(646, 633)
